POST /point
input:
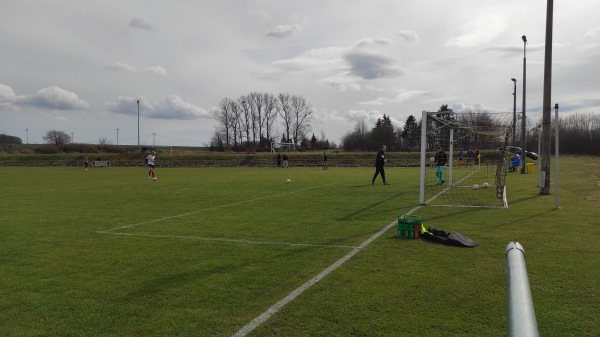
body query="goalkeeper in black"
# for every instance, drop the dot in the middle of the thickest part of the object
(379, 163)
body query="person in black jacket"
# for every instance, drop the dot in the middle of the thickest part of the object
(379, 163)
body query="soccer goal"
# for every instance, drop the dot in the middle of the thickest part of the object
(283, 147)
(475, 172)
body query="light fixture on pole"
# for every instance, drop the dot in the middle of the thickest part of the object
(523, 121)
(514, 125)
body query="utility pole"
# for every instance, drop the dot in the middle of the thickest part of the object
(138, 103)
(514, 126)
(546, 113)
(524, 118)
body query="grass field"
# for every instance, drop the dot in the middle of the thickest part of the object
(204, 252)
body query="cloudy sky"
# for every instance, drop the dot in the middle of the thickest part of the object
(80, 66)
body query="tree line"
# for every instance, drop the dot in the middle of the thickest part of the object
(248, 123)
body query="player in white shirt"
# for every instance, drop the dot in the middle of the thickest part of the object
(150, 160)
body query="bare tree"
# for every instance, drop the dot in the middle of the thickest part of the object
(226, 117)
(301, 114)
(103, 141)
(270, 113)
(256, 105)
(284, 110)
(236, 124)
(246, 117)
(57, 137)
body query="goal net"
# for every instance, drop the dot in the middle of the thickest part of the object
(283, 147)
(475, 170)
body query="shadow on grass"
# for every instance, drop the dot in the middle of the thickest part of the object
(354, 215)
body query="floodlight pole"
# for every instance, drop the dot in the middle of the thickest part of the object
(138, 104)
(547, 103)
(514, 124)
(27, 135)
(523, 121)
(117, 136)
(539, 130)
(556, 129)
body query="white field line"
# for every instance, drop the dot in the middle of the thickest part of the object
(291, 296)
(200, 238)
(109, 231)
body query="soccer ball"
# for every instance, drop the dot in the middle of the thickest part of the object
(287, 181)
(475, 187)
(485, 185)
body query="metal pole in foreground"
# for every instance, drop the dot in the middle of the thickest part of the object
(521, 315)
(556, 129)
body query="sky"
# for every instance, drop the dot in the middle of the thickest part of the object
(81, 66)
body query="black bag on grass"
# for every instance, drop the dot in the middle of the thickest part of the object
(454, 239)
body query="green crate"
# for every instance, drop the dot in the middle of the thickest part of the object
(409, 226)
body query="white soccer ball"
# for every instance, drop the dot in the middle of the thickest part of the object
(475, 187)
(287, 181)
(485, 185)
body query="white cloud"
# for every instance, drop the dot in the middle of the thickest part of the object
(260, 14)
(120, 66)
(158, 70)
(592, 32)
(408, 35)
(54, 98)
(172, 107)
(342, 82)
(402, 96)
(479, 31)
(370, 117)
(7, 97)
(141, 24)
(283, 31)
(342, 56)
(372, 66)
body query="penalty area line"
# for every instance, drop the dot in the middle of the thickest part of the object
(291, 296)
(199, 238)
(215, 208)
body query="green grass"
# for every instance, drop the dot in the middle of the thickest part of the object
(202, 252)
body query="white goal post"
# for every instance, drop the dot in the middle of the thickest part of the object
(474, 143)
(283, 147)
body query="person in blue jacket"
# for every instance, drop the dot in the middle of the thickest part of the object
(514, 163)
